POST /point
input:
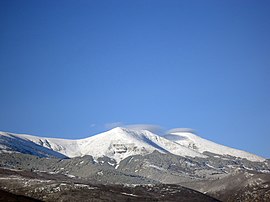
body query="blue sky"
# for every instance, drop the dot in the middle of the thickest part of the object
(70, 69)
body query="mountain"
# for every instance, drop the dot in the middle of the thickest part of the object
(120, 143)
(131, 165)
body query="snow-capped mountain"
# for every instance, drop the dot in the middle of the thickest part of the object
(118, 144)
(131, 157)
(187, 138)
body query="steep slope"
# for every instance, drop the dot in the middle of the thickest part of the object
(188, 139)
(66, 147)
(10, 143)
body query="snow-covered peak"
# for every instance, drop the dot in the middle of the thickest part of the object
(119, 130)
(192, 141)
(120, 143)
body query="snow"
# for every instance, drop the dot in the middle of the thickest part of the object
(210, 166)
(264, 171)
(100, 173)
(117, 144)
(156, 167)
(120, 143)
(20, 143)
(69, 148)
(84, 186)
(190, 140)
(112, 164)
(130, 159)
(247, 168)
(70, 176)
(129, 194)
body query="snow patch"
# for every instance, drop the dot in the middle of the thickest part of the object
(127, 194)
(112, 164)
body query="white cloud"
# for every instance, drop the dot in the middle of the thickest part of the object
(150, 127)
(109, 126)
(181, 130)
(92, 125)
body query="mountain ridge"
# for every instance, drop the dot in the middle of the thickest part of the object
(189, 139)
(119, 143)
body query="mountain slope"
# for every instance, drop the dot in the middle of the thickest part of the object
(10, 143)
(69, 148)
(56, 187)
(220, 178)
(188, 139)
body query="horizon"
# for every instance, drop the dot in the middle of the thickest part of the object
(70, 69)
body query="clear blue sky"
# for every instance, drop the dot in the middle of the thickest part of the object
(71, 67)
